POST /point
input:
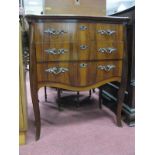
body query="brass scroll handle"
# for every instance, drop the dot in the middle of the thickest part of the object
(107, 50)
(83, 27)
(57, 70)
(83, 47)
(106, 32)
(106, 68)
(54, 32)
(56, 51)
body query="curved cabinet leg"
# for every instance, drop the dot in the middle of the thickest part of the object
(36, 110)
(121, 93)
(45, 90)
(35, 102)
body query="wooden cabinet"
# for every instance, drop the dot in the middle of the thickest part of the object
(76, 53)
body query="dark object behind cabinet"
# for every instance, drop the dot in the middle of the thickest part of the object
(110, 90)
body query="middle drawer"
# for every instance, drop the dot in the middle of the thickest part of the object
(72, 51)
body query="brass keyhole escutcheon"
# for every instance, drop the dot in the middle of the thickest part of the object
(83, 65)
(83, 47)
(83, 27)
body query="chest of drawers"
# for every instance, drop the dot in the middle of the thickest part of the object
(76, 53)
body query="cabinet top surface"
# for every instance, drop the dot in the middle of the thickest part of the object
(75, 17)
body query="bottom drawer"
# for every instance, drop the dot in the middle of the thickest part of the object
(78, 73)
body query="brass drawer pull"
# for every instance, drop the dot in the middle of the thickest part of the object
(56, 51)
(83, 27)
(83, 47)
(106, 68)
(83, 65)
(106, 32)
(57, 70)
(107, 50)
(55, 32)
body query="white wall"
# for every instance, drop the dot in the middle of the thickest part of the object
(33, 6)
(113, 6)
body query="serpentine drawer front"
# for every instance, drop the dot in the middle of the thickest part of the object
(69, 51)
(87, 73)
(77, 31)
(76, 53)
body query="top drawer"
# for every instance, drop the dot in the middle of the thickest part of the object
(77, 31)
(63, 32)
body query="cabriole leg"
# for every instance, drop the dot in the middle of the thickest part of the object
(121, 93)
(36, 110)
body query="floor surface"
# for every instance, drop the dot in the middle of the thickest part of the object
(86, 130)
